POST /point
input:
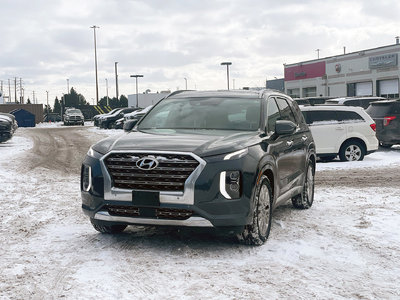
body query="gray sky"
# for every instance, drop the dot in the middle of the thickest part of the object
(44, 42)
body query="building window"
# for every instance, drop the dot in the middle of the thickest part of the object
(310, 92)
(359, 89)
(388, 88)
(294, 93)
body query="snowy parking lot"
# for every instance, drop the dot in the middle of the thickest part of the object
(347, 246)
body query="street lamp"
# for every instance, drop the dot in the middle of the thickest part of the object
(95, 63)
(185, 83)
(137, 99)
(227, 64)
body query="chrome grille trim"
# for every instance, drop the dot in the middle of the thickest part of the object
(174, 197)
(169, 174)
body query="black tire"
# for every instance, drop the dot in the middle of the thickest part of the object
(328, 158)
(306, 198)
(257, 232)
(106, 228)
(352, 151)
(109, 125)
(384, 145)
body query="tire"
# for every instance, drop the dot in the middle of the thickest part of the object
(328, 158)
(384, 145)
(257, 232)
(106, 228)
(109, 126)
(306, 198)
(352, 151)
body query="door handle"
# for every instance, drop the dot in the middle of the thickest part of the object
(289, 143)
(304, 138)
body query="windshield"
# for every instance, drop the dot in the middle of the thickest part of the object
(74, 111)
(204, 113)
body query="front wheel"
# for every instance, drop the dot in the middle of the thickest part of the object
(257, 232)
(306, 198)
(352, 151)
(106, 228)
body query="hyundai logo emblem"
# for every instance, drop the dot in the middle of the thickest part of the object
(147, 163)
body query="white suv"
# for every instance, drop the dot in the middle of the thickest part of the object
(341, 130)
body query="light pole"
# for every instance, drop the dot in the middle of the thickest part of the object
(318, 50)
(116, 79)
(67, 85)
(227, 64)
(185, 83)
(137, 99)
(47, 92)
(95, 63)
(107, 90)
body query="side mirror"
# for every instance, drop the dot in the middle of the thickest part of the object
(128, 125)
(283, 127)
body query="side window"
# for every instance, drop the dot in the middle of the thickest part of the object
(352, 103)
(346, 116)
(286, 111)
(272, 115)
(321, 117)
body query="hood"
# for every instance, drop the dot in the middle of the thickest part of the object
(202, 143)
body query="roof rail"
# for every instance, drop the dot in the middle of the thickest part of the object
(176, 92)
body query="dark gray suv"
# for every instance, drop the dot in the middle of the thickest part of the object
(221, 159)
(386, 115)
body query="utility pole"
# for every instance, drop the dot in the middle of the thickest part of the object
(9, 90)
(67, 85)
(95, 63)
(47, 92)
(107, 90)
(185, 83)
(20, 91)
(15, 88)
(33, 97)
(116, 79)
(1, 85)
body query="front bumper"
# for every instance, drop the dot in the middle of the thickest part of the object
(201, 197)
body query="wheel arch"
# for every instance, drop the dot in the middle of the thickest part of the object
(354, 139)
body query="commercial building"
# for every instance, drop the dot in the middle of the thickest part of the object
(371, 72)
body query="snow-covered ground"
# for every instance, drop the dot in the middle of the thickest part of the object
(347, 246)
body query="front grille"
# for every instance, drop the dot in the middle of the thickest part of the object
(159, 213)
(170, 174)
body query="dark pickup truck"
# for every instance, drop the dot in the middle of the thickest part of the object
(222, 159)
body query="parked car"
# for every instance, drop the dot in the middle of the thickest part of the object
(96, 118)
(73, 116)
(341, 130)
(222, 159)
(8, 125)
(108, 121)
(362, 101)
(52, 117)
(311, 100)
(386, 115)
(133, 116)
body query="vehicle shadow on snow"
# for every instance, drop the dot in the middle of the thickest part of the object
(177, 238)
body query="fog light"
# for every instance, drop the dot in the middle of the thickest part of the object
(230, 184)
(86, 178)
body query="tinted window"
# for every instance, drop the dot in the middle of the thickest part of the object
(320, 117)
(286, 112)
(380, 110)
(348, 116)
(272, 115)
(352, 103)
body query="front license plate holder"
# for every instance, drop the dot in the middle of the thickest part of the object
(144, 198)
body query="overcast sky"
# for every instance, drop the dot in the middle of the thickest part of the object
(44, 42)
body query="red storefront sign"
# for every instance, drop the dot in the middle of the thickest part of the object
(305, 71)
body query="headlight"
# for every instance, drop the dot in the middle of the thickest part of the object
(94, 154)
(86, 178)
(230, 184)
